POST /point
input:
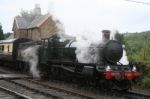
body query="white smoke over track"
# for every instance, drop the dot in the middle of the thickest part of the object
(30, 55)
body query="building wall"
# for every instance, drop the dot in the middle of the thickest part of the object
(6, 48)
(16, 31)
(20, 33)
(23, 34)
(30, 34)
(35, 34)
(48, 28)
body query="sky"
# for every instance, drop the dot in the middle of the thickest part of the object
(84, 16)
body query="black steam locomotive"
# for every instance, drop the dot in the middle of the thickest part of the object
(57, 60)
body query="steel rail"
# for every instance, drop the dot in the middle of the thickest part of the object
(19, 95)
(129, 95)
(61, 89)
(35, 90)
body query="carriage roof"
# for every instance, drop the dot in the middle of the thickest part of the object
(7, 41)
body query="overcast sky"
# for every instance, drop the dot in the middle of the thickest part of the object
(82, 16)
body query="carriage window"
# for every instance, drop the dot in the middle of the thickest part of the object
(8, 48)
(1, 48)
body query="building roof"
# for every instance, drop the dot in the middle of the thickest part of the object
(22, 22)
(7, 41)
(36, 21)
(30, 22)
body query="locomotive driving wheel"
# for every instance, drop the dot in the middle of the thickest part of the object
(122, 85)
(63, 74)
(55, 73)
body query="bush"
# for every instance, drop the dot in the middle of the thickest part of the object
(146, 82)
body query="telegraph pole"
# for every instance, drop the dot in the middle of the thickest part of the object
(145, 46)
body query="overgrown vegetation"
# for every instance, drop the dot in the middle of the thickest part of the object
(1, 33)
(6, 35)
(138, 50)
(144, 81)
(138, 46)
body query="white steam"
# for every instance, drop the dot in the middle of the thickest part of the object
(87, 55)
(30, 55)
(87, 51)
(87, 48)
(124, 59)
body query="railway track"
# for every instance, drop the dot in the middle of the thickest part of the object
(9, 94)
(25, 88)
(66, 94)
(113, 94)
(35, 90)
(129, 95)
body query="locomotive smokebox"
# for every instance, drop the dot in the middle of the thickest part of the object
(110, 51)
(105, 35)
(113, 51)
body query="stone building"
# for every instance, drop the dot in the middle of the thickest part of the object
(35, 27)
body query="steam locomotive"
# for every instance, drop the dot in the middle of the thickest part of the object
(57, 60)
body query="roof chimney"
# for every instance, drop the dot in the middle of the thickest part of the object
(105, 35)
(37, 9)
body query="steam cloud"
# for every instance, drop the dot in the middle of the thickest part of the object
(87, 48)
(124, 59)
(87, 51)
(30, 55)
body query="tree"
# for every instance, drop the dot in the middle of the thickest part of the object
(119, 37)
(1, 33)
(6, 35)
(31, 13)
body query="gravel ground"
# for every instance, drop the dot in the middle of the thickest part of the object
(140, 90)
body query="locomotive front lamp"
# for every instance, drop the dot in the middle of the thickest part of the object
(134, 68)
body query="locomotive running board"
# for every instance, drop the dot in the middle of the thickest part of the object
(63, 67)
(70, 63)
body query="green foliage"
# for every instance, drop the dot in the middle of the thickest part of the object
(119, 37)
(144, 82)
(138, 46)
(138, 50)
(31, 14)
(1, 33)
(6, 35)
(25, 13)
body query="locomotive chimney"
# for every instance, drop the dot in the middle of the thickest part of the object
(105, 35)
